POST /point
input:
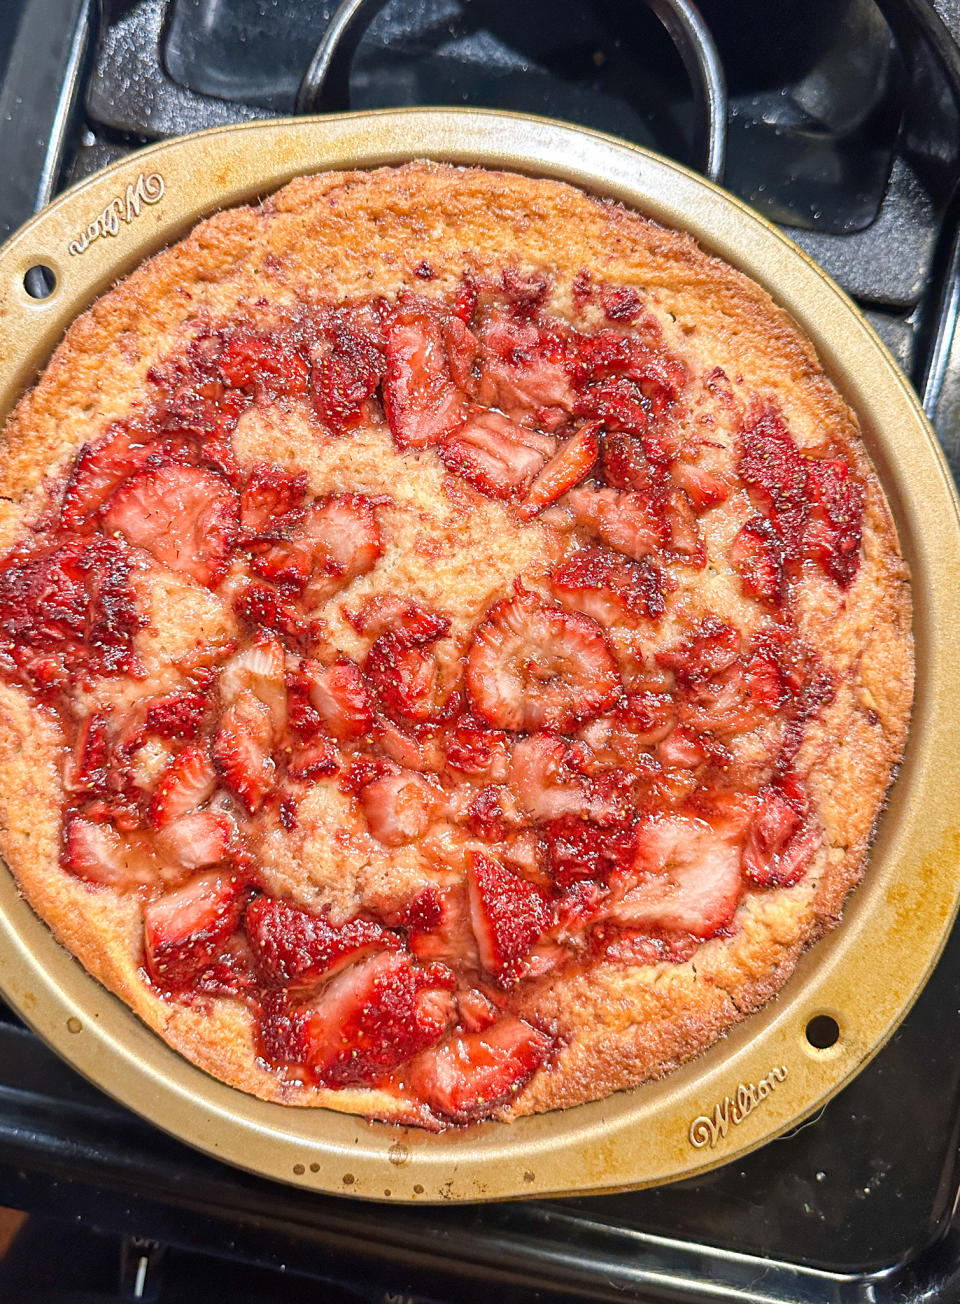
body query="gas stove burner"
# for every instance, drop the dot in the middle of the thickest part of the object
(325, 87)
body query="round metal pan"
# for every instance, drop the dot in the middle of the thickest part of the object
(765, 1076)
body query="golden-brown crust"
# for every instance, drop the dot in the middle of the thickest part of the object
(345, 234)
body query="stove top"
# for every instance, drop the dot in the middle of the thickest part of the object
(842, 125)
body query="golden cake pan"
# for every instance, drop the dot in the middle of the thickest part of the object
(765, 1076)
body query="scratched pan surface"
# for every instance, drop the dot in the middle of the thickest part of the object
(765, 1076)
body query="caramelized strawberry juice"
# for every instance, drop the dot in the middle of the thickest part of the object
(599, 801)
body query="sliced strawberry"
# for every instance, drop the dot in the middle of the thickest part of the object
(757, 554)
(98, 854)
(407, 676)
(621, 303)
(472, 747)
(439, 928)
(260, 670)
(776, 473)
(683, 534)
(471, 1074)
(317, 760)
(345, 540)
(834, 528)
(562, 472)
(89, 763)
(780, 845)
(184, 930)
(422, 402)
(621, 406)
(533, 665)
(270, 495)
(624, 737)
(712, 647)
(580, 849)
(67, 611)
(628, 522)
(689, 876)
(373, 1016)
(339, 696)
(287, 562)
(348, 366)
(524, 372)
(265, 608)
(703, 488)
(465, 303)
(179, 715)
(524, 293)
(607, 586)
(295, 948)
(186, 783)
(494, 454)
(390, 611)
(508, 915)
(608, 354)
(194, 841)
(262, 364)
(184, 515)
(462, 349)
(399, 806)
(475, 1010)
(241, 750)
(682, 749)
(97, 470)
(544, 784)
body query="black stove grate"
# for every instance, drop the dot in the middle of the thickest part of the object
(842, 126)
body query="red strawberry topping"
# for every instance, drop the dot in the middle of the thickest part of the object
(562, 472)
(296, 948)
(348, 367)
(422, 402)
(608, 586)
(98, 854)
(263, 365)
(533, 665)
(494, 454)
(97, 470)
(406, 676)
(187, 782)
(180, 715)
(558, 789)
(269, 496)
(757, 554)
(201, 838)
(836, 502)
(629, 522)
(241, 750)
(185, 930)
(508, 915)
(373, 1016)
(780, 845)
(67, 610)
(524, 373)
(471, 1074)
(339, 697)
(687, 876)
(184, 515)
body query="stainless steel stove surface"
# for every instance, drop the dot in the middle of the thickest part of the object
(842, 124)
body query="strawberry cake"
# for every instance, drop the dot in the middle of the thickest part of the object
(454, 647)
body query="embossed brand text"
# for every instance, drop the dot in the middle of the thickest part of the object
(708, 1129)
(124, 208)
